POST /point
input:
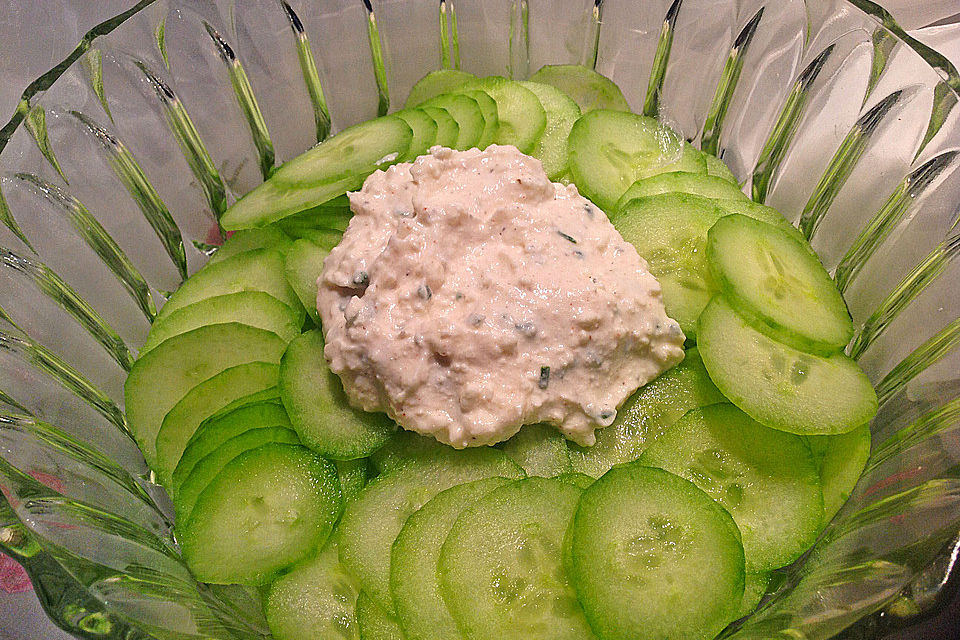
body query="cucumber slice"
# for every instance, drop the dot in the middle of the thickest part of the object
(646, 414)
(255, 270)
(610, 150)
(435, 83)
(203, 401)
(407, 447)
(413, 561)
(333, 167)
(653, 556)
(353, 476)
(576, 478)
(159, 379)
(770, 276)
(466, 112)
(522, 119)
(374, 622)
(501, 568)
(318, 408)
(424, 132)
(448, 131)
(334, 214)
(302, 268)
(561, 112)
(373, 520)
(491, 119)
(263, 238)
(779, 386)
(670, 232)
(841, 460)
(208, 467)
(223, 426)
(717, 167)
(755, 587)
(757, 211)
(271, 395)
(252, 308)
(588, 88)
(266, 510)
(765, 478)
(699, 184)
(540, 449)
(316, 600)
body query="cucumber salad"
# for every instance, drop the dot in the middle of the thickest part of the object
(510, 363)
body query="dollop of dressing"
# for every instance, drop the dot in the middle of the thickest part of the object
(470, 296)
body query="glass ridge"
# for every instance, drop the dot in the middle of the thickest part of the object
(826, 109)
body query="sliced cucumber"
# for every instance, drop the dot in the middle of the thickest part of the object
(255, 270)
(610, 150)
(252, 308)
(448, 131)
(353, 477)
(754, 589)
(717, 167)
(757, 211)
(413, 561)
(437, 82)
(646, 414)
(491, 119)
(406, 447)
(208, 467)
(769, 275)
(373, 520)
(318, 408)
(333, 167)
(374, 622)
(522, 119)
(540, 449)
(841, 460)
(223, 426)
(765, 478)
(263, 238)
(561, 112)
(777, 385)
(302, 268)
(699, 184)
(203, 401)
(265, 511)
(501, 567)
(466, 112)
(159, 379)
(316, 600)
(653, 556)
(424, 132)
(588, 88)
(576, 478)
(334, 214)
(670, 232)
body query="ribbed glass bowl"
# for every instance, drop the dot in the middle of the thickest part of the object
(120, 161)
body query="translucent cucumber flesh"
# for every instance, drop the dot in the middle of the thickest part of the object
(318, 407)
(437, 82)
(682, 182)
(424, 132)
(647, 414)
(413, 562)
(841, 460)
(670, 232)
(586, 87)
(765, 479)
(561, 112)
(248, 239)
(652, 556)
(374, 622)
(501, 567)
(468, 115)
(201, 402)
(302, 268)
(317, 599)
(540, 449)
(768, 273)
(265, 511)
(373, 520)
(777, 385)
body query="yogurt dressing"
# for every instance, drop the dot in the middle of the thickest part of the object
(470, 295)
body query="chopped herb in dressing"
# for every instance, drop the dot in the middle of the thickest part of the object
(566, 237)
(544, 377)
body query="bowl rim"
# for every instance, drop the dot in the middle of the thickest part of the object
(35, 90)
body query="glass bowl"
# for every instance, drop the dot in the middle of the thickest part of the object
(118, 163)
